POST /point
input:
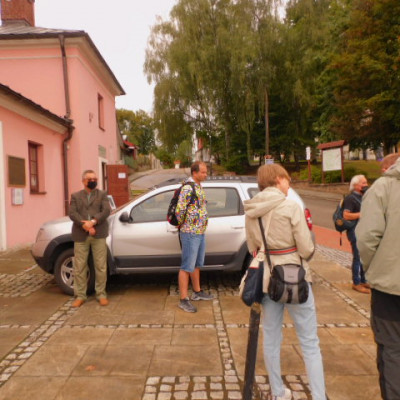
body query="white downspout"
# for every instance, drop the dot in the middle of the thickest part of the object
(3, 231)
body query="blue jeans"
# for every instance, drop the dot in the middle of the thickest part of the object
(305, 322)
(193, 251)
(356, 266)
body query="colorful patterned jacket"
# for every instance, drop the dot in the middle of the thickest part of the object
(195, 219)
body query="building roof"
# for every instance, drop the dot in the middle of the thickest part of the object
(18, 97)
(19, 31)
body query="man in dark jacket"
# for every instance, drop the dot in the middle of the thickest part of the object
(351, 212)
(89, 210)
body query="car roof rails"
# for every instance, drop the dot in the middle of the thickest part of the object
(218, 178)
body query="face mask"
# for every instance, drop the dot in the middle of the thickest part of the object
(364, 189)
(92, 185)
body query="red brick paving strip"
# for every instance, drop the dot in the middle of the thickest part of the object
(331, 238)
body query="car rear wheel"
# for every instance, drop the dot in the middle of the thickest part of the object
(64, 272)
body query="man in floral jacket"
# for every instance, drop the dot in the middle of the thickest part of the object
(192, 217)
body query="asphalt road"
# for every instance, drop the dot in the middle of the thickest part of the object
(321, 210)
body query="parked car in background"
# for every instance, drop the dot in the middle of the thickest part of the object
(141, 240)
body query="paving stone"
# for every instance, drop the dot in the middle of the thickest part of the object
(181, 395)
(234, 395)
(148, 396)
(199, 396)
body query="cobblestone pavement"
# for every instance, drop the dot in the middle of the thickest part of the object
(227, 386)
(342, 257)
(22, 284)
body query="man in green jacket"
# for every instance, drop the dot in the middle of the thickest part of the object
(378, 241)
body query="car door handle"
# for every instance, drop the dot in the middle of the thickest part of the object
(237, 226)
(172, 229)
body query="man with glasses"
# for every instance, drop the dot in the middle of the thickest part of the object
(89, 210)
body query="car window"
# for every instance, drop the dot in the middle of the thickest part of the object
(253, 191)
(223, 202)
(152, 209)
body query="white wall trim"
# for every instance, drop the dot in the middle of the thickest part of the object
(3, 231)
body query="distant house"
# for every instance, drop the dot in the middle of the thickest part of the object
(57, 118)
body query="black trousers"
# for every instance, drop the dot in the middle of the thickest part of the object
(385, 323)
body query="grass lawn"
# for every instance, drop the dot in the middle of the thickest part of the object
(371, 169)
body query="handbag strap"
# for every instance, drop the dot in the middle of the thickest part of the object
(265, 241)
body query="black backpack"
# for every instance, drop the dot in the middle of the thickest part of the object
(340, 223)
(171, 216)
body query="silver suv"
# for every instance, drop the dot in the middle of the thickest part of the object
(141, 240)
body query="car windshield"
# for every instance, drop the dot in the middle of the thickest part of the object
(123, 205)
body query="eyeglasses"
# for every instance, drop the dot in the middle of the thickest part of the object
(91, 179)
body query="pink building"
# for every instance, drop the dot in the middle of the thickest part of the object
(57, 118)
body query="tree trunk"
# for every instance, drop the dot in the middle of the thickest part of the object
(266, 122)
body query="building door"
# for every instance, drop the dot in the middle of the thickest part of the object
(118, 184)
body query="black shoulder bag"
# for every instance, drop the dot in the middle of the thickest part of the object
(287, 283)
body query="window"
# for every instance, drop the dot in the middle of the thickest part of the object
(223, 202)
(253, 191)
(100, 111)
(33, 167)
(153, 209)
(36, 170)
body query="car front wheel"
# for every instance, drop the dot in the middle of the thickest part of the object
(64, 272)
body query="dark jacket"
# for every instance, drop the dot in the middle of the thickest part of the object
(98, 207)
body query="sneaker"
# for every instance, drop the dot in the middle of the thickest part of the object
(201, 296)
(186, 305)
(287, 395)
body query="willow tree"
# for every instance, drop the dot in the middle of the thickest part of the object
(207, 69)
(186, 60)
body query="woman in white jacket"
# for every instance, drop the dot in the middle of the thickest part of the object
(289, 240)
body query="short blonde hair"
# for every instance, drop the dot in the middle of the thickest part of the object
(268, 174)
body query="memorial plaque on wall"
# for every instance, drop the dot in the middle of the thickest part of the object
(16, 171)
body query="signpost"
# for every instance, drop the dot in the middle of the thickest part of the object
(308, 158)
(332, 157)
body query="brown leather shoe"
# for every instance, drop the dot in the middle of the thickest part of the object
(77, 303)
(366, 285)
(103, 301)
(362, 289)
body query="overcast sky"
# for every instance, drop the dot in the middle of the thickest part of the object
(119, 29)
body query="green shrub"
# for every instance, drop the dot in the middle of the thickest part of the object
(237, 163)
(331, 176)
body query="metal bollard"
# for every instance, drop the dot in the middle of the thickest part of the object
(251, 354)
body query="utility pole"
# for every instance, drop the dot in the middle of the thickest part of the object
(266, 122)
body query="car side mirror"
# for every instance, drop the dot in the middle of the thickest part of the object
(124, 217)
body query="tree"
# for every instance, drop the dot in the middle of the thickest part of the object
(367, 91)
(299, 64)
(138, 127)
(209, 71)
